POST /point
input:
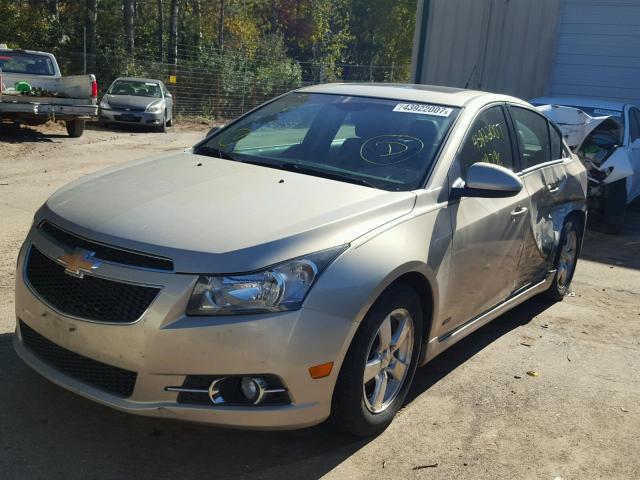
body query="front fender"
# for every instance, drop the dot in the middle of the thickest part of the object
(418, 243)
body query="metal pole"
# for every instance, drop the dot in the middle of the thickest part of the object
(84, 64)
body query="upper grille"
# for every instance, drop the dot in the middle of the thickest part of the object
(105, 377)
(104, 252)
(90, 298)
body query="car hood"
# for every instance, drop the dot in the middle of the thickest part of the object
(219, 216)
(130, 101)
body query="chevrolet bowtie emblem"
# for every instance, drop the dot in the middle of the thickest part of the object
(78, 262)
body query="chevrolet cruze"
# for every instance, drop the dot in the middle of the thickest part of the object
(299, 263)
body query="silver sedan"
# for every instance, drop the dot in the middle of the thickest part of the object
(137, 101)
(301, 262)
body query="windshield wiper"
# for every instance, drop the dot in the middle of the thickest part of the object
(296, 167)
(213, 152)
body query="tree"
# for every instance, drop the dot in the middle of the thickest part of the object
(221, 26)
(129, 26)
(91, 22)
(160, 29)
(172, 52)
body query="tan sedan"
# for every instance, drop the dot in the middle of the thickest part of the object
(301, 262)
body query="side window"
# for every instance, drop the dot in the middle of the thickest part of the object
(634, 124)
(487, 141)
(556, 142)
(533, 137)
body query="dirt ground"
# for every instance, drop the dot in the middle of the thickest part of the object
(472, 413)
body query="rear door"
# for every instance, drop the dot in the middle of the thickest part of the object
(487, 232)
(542, 169)
(633, 182)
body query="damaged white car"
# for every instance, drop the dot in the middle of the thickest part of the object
(606, 137)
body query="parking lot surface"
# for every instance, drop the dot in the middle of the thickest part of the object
(472, 413)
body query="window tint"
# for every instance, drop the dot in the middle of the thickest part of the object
(487, 141)
(27, 63)
(533, 137)
(634, 124)
(556, 143)
(374, 141)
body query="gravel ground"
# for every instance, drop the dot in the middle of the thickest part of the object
(472, 413)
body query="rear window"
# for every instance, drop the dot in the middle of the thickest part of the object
(27, 63)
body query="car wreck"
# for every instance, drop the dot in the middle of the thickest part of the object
(606, 138)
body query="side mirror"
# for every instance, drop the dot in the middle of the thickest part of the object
(485, 180)
(212, 131)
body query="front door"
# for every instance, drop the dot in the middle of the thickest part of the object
(487, 232)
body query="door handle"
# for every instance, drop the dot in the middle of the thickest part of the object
(518, 211)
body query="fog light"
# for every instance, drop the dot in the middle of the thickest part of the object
(253, 389)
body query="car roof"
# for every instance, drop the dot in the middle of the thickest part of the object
(580, 102)
(136, 79)
(20, 50)
(455, 97)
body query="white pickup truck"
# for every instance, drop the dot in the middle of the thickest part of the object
(32, 91)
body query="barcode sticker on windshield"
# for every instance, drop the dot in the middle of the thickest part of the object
(423, 109)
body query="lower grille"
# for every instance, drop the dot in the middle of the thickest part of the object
(114, 380)
(126, 118)
(89, 298)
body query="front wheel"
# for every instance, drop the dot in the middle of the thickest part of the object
(614, 205)
(566, 259)
(379, 367)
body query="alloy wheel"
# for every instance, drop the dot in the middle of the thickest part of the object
(568, 256)
(388, 361)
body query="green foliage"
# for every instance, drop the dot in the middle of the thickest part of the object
(266, 46)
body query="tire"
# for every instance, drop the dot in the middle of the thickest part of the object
(566, 259)
(163, 125)
(75, 128)
(354, 408)
(170, 121)
(614, 205)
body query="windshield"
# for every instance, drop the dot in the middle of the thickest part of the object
(388, 144)
(136, 88)
(27, 63)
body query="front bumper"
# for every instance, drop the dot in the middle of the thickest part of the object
(131, 117)
(164, 346)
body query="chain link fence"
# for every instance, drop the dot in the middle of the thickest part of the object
(223, 85)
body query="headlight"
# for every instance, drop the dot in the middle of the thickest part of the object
(154, 108)
(104, 104)
(281, 287)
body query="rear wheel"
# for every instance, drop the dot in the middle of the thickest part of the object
(75, 128)
(379, 367)
(566, 259)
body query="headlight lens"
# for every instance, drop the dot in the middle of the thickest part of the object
(155, 107)
(104, 104)
(282, 287)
